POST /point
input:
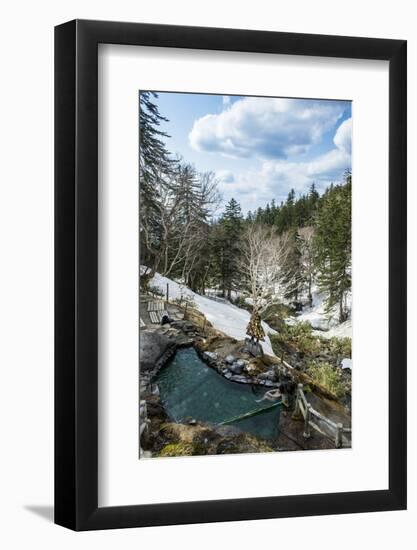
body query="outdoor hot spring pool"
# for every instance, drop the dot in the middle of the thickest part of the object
(190, 389)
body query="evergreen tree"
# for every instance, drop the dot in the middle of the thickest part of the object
(292, 271)
(308, 259)
(313, 196)
(155, 167)
(333, 245)
(226, 246)
(154, 158)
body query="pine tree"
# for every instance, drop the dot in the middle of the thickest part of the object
(308, 259)
(292, 272)
(313, 196)
(155, 167)
(226, 246)
(218, 256)
(333, 245)
(154, 158)
(232, 221)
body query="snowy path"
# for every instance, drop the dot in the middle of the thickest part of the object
(225, 317)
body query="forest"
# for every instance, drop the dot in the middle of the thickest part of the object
(279, 252)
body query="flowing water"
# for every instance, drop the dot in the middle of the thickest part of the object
(189, 388)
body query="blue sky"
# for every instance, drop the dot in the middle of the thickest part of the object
(260, 148)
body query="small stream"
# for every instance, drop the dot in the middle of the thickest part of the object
(190, 389)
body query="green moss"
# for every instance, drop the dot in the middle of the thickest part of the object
(242, 443)
(296, 338)
(299, 340)
(275, 314)
(177, 449)
(327, 376)
(340, 346)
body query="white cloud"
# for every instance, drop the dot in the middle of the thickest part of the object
(343, 136)
(267, 128)
(225, 176)
(226, 100)
(275, 178)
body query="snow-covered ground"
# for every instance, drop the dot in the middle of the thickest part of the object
(225, 317)
(344, 330)
(233, 320)
(325, 325)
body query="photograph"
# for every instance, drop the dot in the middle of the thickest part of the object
(208, 332)
(245, 274)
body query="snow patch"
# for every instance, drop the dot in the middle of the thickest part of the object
(324, 324)
(347, 363)
(224, 316)
(344, 330)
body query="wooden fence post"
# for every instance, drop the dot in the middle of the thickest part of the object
(297, 411)
(167, 292)
(307, 432)
(339, 433)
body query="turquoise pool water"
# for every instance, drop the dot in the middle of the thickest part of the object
(189, 388)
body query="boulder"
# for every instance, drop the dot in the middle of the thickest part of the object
(268, 375)
(236, 368)
(230, 359)
(240, 378)
(153, 347)
(254, 348)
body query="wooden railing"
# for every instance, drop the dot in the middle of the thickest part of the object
(311, 416)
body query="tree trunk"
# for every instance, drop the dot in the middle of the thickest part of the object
(341, 310)
(310, 296)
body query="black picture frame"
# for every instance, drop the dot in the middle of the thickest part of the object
(76, 272)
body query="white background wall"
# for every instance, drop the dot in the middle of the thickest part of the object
(26, 272)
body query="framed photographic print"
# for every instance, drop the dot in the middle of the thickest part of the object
(230, 275)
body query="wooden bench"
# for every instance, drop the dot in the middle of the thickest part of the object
(157, 316)
(154, 317)
(157, 305)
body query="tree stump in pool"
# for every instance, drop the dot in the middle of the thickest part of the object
(254, 348)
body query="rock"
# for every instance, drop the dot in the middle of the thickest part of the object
(210, 355)
(153, 347)
(240, 378)
(241, 362)
(236, 369)
(255, 349)
(250, 369)
(268, 375)
(230, 359)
